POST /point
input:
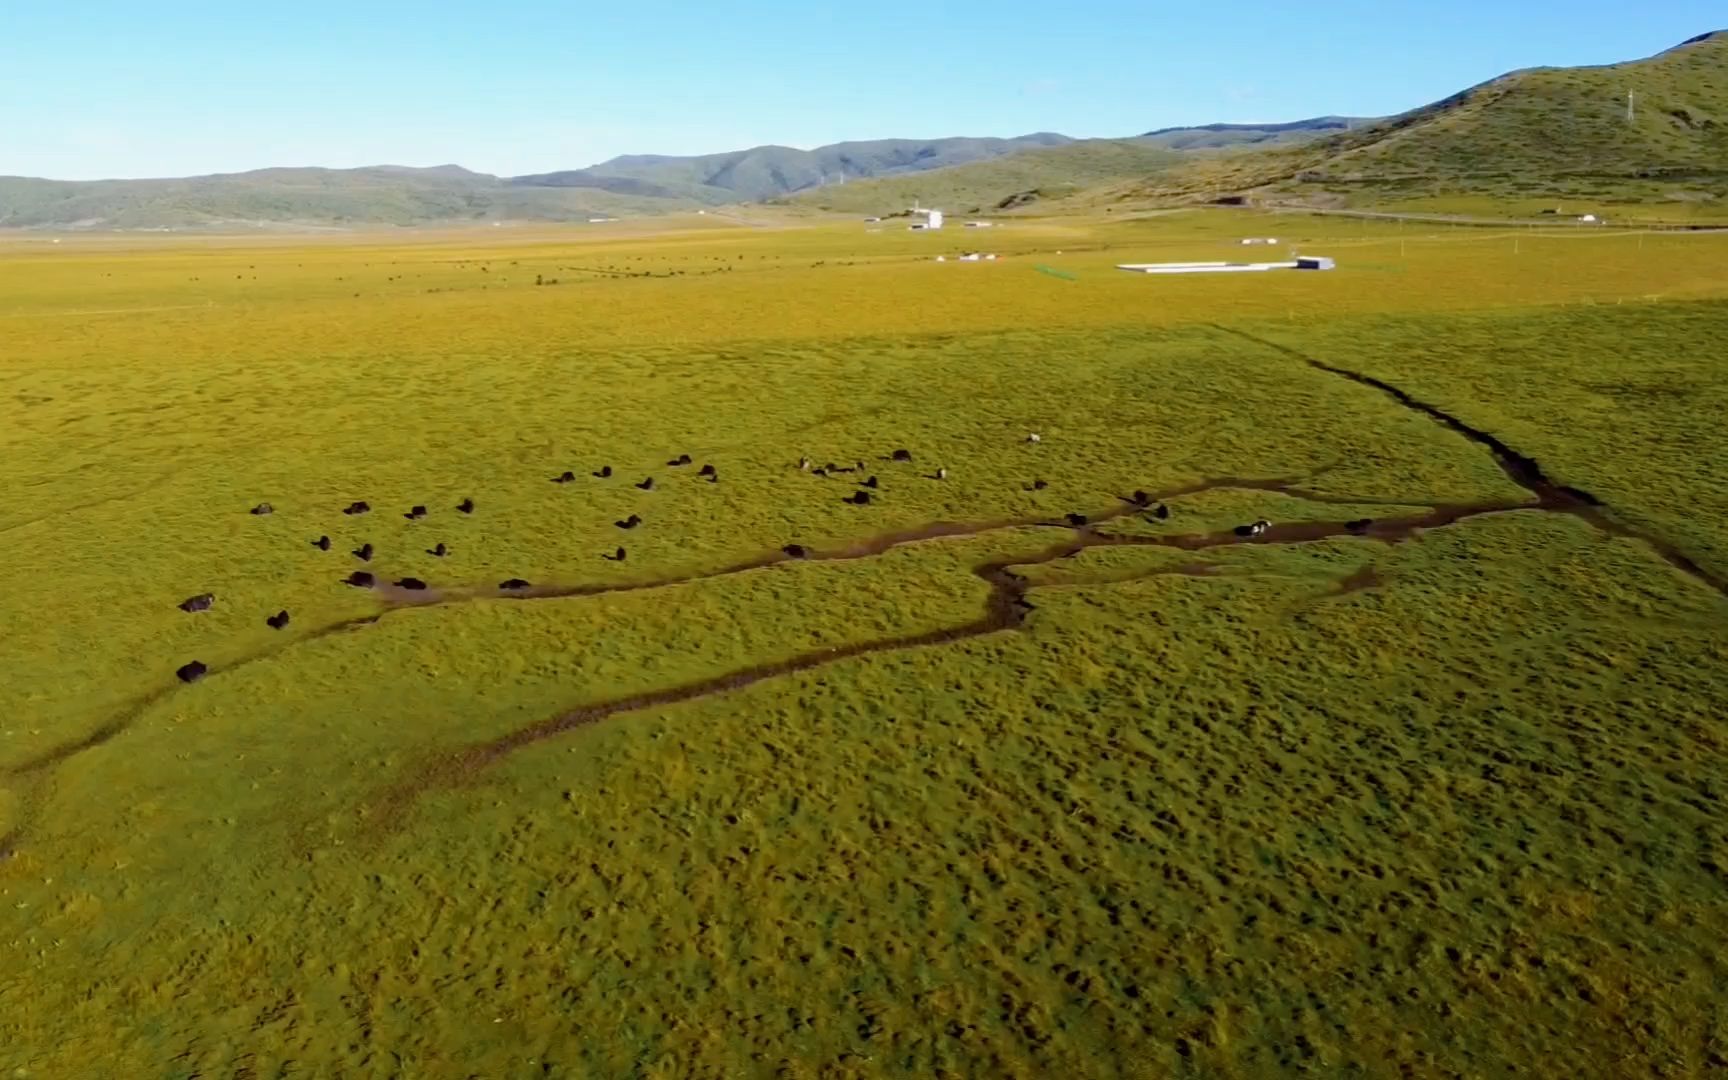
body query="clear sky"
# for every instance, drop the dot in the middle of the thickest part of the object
(97, 88)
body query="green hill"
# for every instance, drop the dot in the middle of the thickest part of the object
(765, 172)
(382, 195)
(1541, 131)
(1021, 179)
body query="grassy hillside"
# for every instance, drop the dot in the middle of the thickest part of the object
(767, 171)
(1236, 136)
(1022, 179)
(384, 195)
(1548, 131)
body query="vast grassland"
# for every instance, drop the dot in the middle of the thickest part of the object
(1137, 799)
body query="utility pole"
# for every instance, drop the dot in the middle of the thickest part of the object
(1631, 106)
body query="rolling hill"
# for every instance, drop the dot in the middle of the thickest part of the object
(1539, 131)
(765, 172)
(1034, 177)
(1237, 136)
(449, 194)
(1017, 180)
(382, 195)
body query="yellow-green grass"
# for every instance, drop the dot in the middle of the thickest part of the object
(1623, 205)
(1213, 813)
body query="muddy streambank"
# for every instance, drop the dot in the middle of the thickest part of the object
(1005, 609)
(1521, 469)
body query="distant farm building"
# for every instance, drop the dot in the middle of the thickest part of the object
(980, 224)
(1260, 240)
(932, 219)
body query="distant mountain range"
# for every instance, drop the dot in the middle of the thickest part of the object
(266, 198)
(396, 195)
(1541, 130)
(768, 171)
(1226, 136)
(1020, 180)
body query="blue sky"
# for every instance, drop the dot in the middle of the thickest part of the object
(99, 89)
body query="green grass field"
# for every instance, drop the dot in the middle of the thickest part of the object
(1432, 802)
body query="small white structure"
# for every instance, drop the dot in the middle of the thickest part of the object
(1588, 219)
(871, 220)
(1259, 240)
(932, 219)
(1306, 262)
(597, 220)
(980, 224)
